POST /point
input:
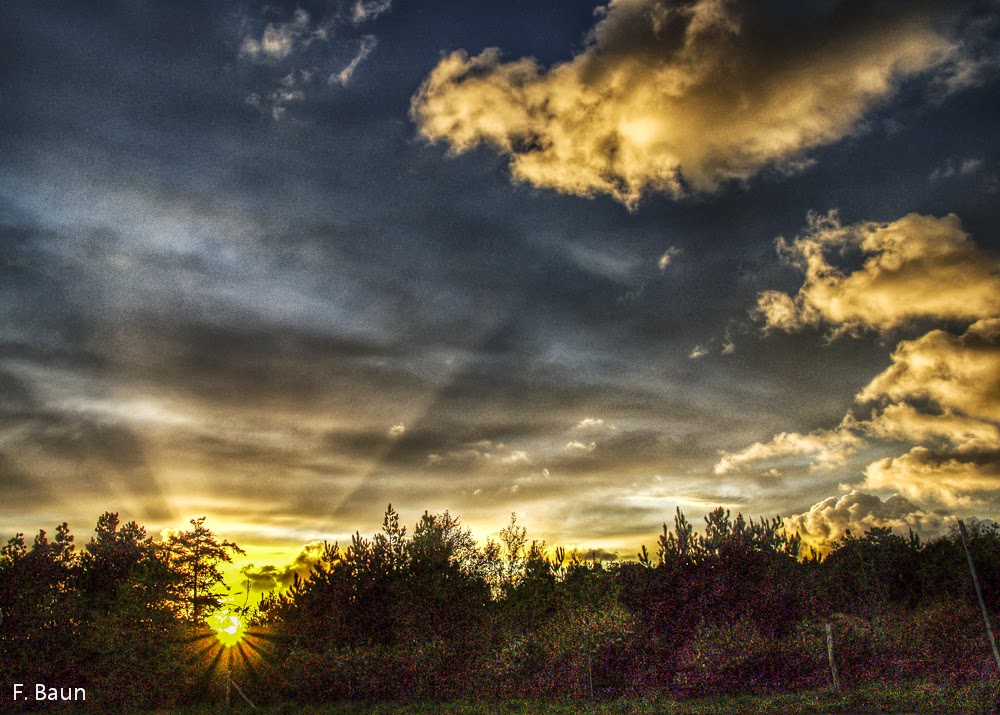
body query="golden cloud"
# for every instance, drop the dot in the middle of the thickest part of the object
(679, 97)
(941, 395)
(915, 267)
(829, 520)
(903, 422)
(924, 475)
(955, 372)
(956, 380)
(827, 448)
(941, 392)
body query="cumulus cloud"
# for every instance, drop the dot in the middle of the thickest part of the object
(830, 519)
(926, 475)
(941, 393)
(270, 577)
(905, 423)
(826, 448)
(581, 447)
(683, 97)
(956, 372)
(915, 267)
(699, 351)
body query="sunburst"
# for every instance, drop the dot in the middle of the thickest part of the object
(228, 626)
(234, 654)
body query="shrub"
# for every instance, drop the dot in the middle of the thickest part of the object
(739, 657)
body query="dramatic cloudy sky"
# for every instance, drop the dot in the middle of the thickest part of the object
(282, 264)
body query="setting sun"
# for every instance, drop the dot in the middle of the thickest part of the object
(228, 627)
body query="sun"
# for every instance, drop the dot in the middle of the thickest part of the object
(228, 627)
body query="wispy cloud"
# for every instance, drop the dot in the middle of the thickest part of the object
(293, 43)
(368, 43)
(276, 102)
(280, 39)
(826, 449)
(594, 423)
(669, 255)
(956, 167)
(367, 10)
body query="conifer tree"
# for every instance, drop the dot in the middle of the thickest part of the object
(195, 555)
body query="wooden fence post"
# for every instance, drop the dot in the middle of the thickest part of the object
(829, 654)
(979, 592)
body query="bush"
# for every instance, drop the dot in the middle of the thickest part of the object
(739, 657)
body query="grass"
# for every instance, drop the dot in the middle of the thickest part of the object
(913, 697)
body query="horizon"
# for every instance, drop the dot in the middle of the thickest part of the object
(273, 575)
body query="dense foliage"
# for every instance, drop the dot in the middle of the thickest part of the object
(732, 607)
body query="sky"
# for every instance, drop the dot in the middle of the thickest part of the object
(283, 264)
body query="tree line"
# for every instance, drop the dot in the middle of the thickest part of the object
(737, 606)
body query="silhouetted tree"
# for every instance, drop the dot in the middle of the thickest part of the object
(513, 538)
(870, 574)
(195, 556)
(132, 636)
(112, 556)
(41, 606)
